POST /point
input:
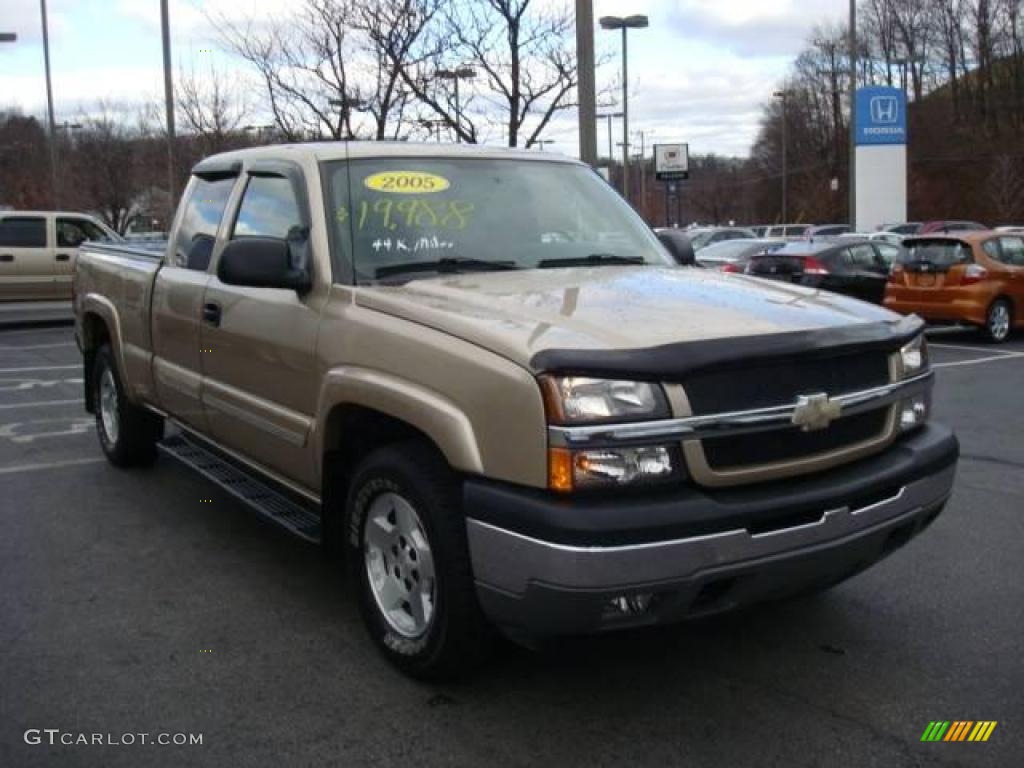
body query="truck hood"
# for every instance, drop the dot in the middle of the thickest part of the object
(520, 314)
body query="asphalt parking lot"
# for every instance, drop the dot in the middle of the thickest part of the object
(151, 602)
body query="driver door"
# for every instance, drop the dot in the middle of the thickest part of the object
(260, 382)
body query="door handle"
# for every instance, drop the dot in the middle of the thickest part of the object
(6, 257)
(211, 314)
(63, 257)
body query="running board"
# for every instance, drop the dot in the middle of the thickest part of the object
(303, 521)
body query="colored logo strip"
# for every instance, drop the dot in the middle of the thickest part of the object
(958, 730)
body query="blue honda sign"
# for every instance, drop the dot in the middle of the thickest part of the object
(881, 116)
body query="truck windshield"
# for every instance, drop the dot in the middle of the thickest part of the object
(465, 214)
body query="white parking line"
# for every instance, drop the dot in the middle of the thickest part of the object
(979, 350)
(49, 465)
(42, 368)
(39, 346)
(35, 331)
(991, 359)
(42, 404)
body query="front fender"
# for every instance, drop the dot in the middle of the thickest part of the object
(430, 412)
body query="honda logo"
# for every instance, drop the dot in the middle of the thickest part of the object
(884, 110)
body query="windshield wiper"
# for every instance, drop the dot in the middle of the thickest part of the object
(593, 260)
(451, 265)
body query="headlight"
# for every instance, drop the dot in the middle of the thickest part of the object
(579, 400)
(613, 467)
(914, 358)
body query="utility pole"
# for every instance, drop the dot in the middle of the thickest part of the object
(781, 95)
(49, 110)
(643, 174)
(169, 105)
(585, 85)
(853, 115)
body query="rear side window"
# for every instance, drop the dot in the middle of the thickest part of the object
(23, 232)
(796, 231)
(197, 231)
(1013, 251)
(890, 254)
(268, 209)
(861, 256)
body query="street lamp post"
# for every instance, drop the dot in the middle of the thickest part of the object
(629, 22)
(459, 73)
(609, 116)
(853, 115)
(165, 33)
(49, 108)
(781, 95)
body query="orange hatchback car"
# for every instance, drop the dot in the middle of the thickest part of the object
(968, 277)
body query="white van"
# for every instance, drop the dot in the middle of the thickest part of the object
(38, 250)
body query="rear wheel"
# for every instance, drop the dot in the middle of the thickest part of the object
(998, 321)
(408, 560)
(128, 434)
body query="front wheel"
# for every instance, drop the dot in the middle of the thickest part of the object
(128, 434)
(998, 321)
(408, 559)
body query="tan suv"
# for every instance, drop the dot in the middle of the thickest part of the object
(476, 375)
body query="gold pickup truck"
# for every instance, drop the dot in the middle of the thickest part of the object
(477, 377)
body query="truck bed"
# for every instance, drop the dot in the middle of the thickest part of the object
(110, 275)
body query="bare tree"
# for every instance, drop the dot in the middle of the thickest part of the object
(331, 60)
(1006, 187)
(522, 54)
(210, 107)
(104, 168)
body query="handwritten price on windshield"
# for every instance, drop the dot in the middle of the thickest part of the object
(384, 213)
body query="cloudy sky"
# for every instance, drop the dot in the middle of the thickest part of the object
(699, 74)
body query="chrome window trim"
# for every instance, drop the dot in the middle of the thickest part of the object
(728, 423)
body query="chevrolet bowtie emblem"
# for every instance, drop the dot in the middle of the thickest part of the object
(813, 412)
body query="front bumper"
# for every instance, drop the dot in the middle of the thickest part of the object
(550, 566)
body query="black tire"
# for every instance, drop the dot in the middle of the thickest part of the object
(457, 638)
(998, 321)
(132, 443)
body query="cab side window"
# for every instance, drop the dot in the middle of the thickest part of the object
(23, 232)
(71, 233)
(269, 209)
(197, 232)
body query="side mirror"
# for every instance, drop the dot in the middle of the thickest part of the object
(680, 249)
(262, 262)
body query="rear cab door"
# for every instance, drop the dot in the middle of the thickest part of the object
(27, 270)
(178, 292)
